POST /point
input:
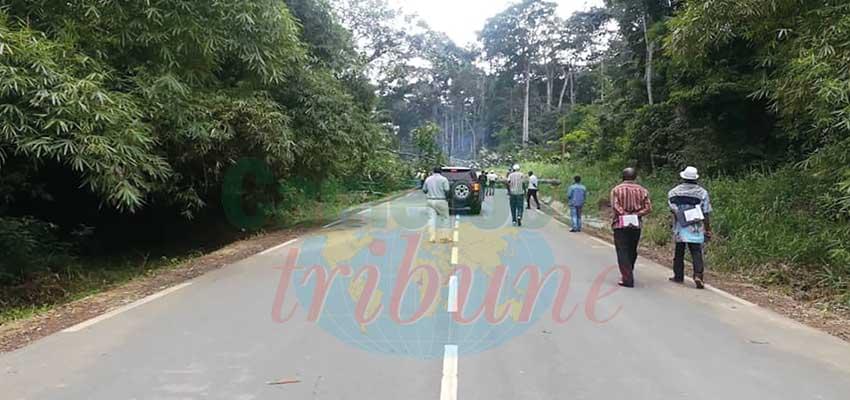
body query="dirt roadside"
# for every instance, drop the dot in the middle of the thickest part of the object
(17, 334)
(834, 323)
(20, 333)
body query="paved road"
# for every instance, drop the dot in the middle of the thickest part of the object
(216, 338)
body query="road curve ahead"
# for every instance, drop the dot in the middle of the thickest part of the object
(369, 309)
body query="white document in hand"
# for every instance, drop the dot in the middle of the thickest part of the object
(694, 215)
(630, 220)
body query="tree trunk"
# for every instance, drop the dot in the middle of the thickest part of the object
(572, 89)
(550, 82)
(525, 124)
(563, 90)
(446, 133)
(452, 139)
(602, 90)
(650, 47)
(472, 146)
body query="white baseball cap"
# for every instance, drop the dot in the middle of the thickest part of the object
(690, 173)
(516, 167)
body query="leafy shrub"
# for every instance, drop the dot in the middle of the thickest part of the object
(28, 247)
(768, 225)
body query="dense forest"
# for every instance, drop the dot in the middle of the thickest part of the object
(120, 121)
(756, 93)
(728, 85)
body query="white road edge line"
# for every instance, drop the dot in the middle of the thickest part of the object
(457, 236)
(710, 288)
(609, 244)
(728, 295)
(128, 307)
(452, 308)
(448, 387)
(278, 247)
(363, 212)
(455, 255)
(332, 224)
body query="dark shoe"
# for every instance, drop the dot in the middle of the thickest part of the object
(700, 284)
(626, 284)
(519, 222)
(676, 280)
(573, 230)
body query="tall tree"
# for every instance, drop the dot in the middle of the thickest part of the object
(514, 40)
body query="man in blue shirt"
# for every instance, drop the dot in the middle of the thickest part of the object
(576, 195)
(690, 205)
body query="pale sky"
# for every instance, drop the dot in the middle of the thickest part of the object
(462, 19)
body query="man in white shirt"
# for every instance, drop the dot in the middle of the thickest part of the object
(532, 190)
(516, 191)
(437, 190)
(492, 178)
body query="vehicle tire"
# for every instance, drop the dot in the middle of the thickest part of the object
(461, 191)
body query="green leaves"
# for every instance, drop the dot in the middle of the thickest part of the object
(155, 99)
(802, 53)
(53, 111)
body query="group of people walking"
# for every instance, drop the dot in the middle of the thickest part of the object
(689, 204)
(690, 207)
(521, 190)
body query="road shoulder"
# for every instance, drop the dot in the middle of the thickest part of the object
(20, 333)
(809, 314)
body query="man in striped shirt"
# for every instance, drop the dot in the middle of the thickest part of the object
(517, 183)
(630, 203)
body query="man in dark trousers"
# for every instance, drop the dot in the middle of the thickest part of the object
(690, 205)
(533, 183)
(576, 196)
(630, 203)
(517, 184)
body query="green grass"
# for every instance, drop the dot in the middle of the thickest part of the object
(769, 226)
(82, 277)
(79, 279)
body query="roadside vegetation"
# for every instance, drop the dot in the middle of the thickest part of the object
(768, 226)
(120, 121)
(754, 93)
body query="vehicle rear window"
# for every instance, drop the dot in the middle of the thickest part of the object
(459, 176)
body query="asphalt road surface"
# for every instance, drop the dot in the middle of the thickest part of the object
(226, 335)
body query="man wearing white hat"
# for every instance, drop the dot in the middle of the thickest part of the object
(689, 202)
(516, 191)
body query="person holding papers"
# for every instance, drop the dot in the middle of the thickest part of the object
(689, 202)
(533, 183)
(630, 203)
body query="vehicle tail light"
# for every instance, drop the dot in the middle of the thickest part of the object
(476, 187)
